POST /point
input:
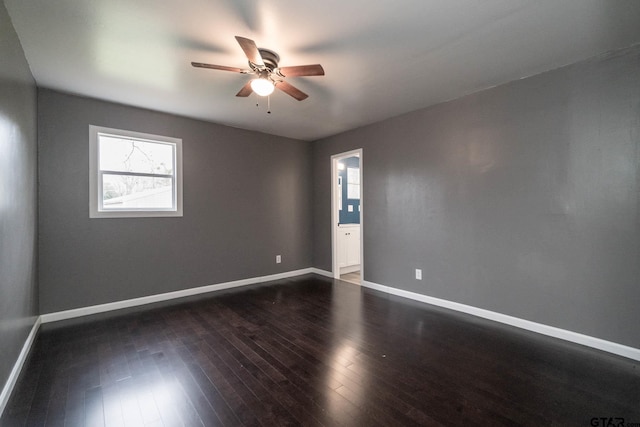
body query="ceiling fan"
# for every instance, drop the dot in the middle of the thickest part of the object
(263, 63)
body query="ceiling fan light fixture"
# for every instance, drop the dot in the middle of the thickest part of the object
(262, 86)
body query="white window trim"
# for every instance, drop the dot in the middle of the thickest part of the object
(94, 181)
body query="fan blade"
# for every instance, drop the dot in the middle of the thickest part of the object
(291, 91)
(246, 90)
(301, 70)
(251, 50)
(217, 67)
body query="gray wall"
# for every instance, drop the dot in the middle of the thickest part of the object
(247, 198)
(18, 198)
(523, 199)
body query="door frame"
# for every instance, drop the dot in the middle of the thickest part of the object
(334, 211)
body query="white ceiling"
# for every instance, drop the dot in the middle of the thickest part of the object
(382, 58)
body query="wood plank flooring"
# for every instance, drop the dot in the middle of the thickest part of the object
(312, 351)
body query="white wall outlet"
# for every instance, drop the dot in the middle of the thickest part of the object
(418, 274)
(278, 259)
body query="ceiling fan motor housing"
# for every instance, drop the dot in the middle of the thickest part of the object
(270, 58)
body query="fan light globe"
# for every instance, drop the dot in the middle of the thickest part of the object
(262, 87)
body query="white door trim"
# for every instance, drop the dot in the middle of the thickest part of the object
(334, 215)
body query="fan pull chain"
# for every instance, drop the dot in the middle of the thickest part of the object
(268, 104)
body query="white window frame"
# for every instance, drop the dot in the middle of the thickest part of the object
(95, 176)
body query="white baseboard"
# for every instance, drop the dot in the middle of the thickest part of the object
(117, 305)
(600, 344)
(17, 367)
(324, 273)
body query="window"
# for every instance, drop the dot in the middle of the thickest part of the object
(353, 183)
(134, 174)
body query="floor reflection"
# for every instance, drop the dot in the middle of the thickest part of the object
(347, 377)
(142, 400)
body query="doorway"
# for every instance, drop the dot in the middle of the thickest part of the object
(347, 213)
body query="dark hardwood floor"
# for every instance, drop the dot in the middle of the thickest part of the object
(313, 351)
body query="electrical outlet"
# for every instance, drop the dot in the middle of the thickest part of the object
(278, 259)
(418, 274)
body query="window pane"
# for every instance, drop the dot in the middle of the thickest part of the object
(353, 175)
(353, 191)
(130, 155)
(136, 192)
(353, 183)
